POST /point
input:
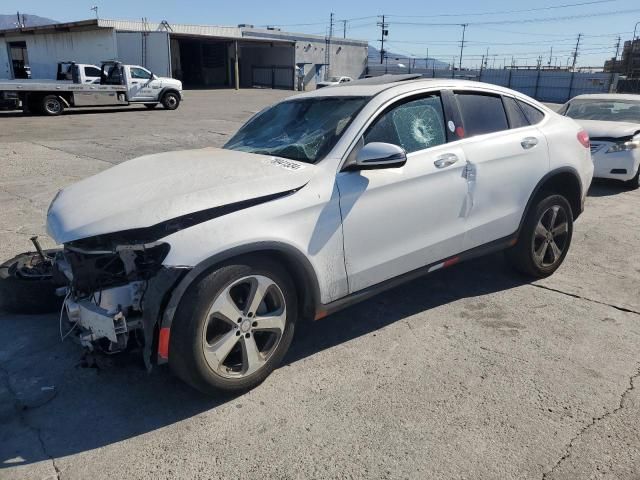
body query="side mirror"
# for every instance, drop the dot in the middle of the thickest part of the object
(379, 155)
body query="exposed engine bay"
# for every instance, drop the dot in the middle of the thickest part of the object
(114, 292)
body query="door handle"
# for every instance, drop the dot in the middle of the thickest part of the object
(446, 160)
(529, 142)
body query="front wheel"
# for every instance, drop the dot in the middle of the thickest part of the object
(170, 101)
(634, 183)
(545, 237)
(233, 326)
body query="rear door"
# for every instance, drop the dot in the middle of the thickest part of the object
(396, 220)
(506, 155)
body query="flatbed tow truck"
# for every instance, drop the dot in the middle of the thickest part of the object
(118, 85)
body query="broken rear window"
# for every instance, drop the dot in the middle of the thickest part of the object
(304, 129)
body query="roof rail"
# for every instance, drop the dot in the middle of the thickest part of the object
(383, 79)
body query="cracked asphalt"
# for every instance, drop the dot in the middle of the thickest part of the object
(472, 372)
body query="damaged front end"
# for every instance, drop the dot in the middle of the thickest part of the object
(116, 292)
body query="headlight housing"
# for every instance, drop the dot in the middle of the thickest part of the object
(624, 146)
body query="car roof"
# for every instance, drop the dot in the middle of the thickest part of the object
(608, 96)
(357, 89)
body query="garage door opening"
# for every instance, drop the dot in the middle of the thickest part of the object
(205, 63)
(200, 64)
(19, 59)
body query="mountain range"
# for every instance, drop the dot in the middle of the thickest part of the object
(10, 21)
(400, 59)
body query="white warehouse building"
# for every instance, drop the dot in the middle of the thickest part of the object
(202, 56)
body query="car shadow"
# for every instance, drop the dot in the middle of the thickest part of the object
(605, 188)
(95, 407)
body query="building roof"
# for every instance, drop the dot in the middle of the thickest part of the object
(218, 31)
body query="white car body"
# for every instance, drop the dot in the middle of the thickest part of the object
(333, 81)
(606, 135)
(348, 231)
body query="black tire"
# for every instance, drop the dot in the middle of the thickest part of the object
(634, 183)
(191, 324)
(151, 106)
(51, 105)
(531, 239)
(21, 294)
(170, 100)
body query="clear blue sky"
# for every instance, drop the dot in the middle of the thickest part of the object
(408, 32)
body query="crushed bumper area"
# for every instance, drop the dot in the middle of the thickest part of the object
(116, 295)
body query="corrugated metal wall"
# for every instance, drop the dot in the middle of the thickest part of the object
(46, 50)
(150, 50)
(543, 85)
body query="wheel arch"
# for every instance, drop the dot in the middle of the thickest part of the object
(166, 90)
(564, 181)
(296, 263)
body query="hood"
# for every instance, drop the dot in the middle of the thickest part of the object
(148, 190)
(167, 81)
(602, 129)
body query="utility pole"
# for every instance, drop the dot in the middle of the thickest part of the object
(464, 29)
(426, 60)
(575, 52)
(615, 57)
(95, 9)
(550, 57)
(327, 55)
(344, 29)
(383, 33)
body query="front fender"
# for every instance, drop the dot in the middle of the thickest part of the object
(306, 278)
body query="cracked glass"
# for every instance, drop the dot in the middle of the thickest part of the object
(413, 125)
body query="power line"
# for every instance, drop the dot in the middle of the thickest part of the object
(526, 20)
(500, 12)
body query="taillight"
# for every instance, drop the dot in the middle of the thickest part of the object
(583, 138)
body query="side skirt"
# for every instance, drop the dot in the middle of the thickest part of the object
(327, 309)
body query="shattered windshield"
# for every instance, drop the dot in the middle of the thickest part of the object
(304, 129)
(607, 110)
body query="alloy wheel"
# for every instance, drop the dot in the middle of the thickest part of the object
(244, 326)
(550, 236)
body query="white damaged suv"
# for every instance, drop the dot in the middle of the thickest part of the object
(210, 257)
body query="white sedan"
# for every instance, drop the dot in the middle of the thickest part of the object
(613, 124)
(210, 257)
(334, 81)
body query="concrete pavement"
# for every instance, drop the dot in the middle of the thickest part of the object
(472, 372)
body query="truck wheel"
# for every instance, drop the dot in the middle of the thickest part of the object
(52, 105)
(170, 101)
(150, 106)
(233, 326)
(545, 237)
(26, 285)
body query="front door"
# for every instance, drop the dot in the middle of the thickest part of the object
(140, 84)
(397, 220)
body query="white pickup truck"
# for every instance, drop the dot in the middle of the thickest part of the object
(118, 85)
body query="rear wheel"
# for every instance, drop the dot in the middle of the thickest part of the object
(634, 183)
(170, 100)
(545, 237)
(52, 105)
(26, 284)
(233, 326)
